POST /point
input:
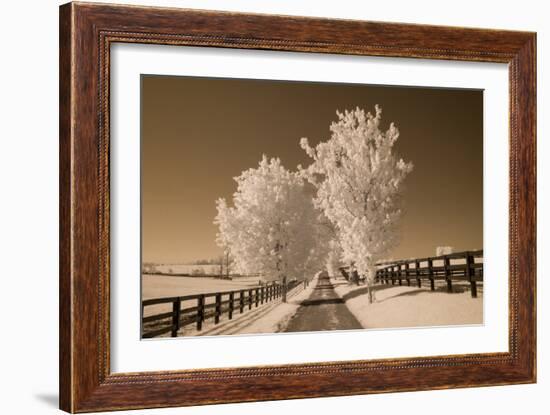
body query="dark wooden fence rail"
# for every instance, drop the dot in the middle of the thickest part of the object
(460, 266)
(226, 302)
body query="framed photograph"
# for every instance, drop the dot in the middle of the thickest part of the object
(258, 207)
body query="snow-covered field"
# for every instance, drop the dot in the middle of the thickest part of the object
(403, 306)
(268, 318)
(394, 306)
(156, 286)
(159, 286)
(188, 269)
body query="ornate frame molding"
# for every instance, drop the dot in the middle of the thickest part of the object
(86, 33)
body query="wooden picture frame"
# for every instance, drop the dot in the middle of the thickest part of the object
(86, 33)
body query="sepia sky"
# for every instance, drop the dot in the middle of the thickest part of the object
(199, 133)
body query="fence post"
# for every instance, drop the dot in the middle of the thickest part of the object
(431, 274)
(407, 274)
(417, 272)
(176, 313)
(200, 312)
(231, 305)
(257, 296)
(470, 274)
(250, 299)
(284, 289)
(262, 294)
(399, 270)
(218, 308)
(448, 276)
(241, 302)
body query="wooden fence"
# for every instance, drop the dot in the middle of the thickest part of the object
(226, 302)
(461, 266)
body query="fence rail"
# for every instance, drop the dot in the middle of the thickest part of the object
(225, 302)
(460, 266)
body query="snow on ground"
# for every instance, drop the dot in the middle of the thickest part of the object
(191, 270)
(209, 269)
(159, 286)
(271, 318)
(403, 306)
(268, 318)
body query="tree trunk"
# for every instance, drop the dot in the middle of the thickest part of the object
(370, 282)
(370, 292)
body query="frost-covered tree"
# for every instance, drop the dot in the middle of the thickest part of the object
(359, 184)
(272, 227)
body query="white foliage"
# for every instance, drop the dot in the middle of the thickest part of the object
(272, 227)
(359, 184)
(333, 261)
